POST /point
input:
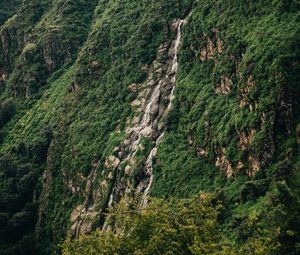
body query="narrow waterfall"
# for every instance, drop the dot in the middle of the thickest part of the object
(149, 162)
(151, 108)
(149, 170)
(150, 124)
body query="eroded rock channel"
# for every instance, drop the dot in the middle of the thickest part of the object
(129, 177)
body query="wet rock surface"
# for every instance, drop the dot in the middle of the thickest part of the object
(151, 107)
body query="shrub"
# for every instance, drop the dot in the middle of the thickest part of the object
(166, 227)
(7, 111)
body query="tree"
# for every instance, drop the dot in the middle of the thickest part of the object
(7, 111)
(165, 227)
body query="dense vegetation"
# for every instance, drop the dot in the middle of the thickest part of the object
(7, 9)
(262, 42)
(65, 68)
(189, 226)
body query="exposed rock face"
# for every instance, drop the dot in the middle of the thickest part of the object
(201, 152)
(223, 163)
(245, 92)
(2, 77)
(86, 70)
(246, 139)
(112, 162)
(51, 45)
(5, 45)
(159, 93)
(285, 107)
(225, 86)
(83, 216)
(253, 161)
(55, 43)
(151, 107)
(214, 46)
(254, 167)
(244, 144)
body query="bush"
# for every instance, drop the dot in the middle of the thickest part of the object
(166, 227)
(7, 111)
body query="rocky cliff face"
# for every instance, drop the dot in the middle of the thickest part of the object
(104, 100)
(125, 174)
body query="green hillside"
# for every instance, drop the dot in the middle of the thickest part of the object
(107, 100)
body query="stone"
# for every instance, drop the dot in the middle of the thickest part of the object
(254, 166)
(133, 87)
(222, 163)
(136, 103)
(240, 165)
(112, 162)
(245, 139)
(245, 91)
(201, 152)
(225, 86)
(147, 131)
(127, 170)
(110, 175)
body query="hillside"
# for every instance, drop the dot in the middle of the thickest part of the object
(105, 100)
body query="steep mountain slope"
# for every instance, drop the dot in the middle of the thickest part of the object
(108, 99)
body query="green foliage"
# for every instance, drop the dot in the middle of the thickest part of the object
(164, 227)
(7, 111)
(7, 9)
(20, 171)
(86, 104)
(55, 30)
(69, 64)
(167, 227)
(256, 40)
